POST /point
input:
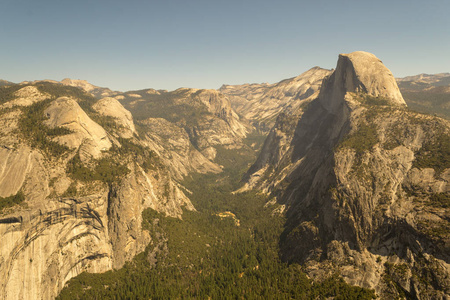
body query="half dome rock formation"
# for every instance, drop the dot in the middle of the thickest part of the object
(348, 173)
(360, 72)
(110, 107)
(65, 112)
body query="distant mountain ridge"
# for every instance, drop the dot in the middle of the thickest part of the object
(427, 78)
(262, 103)
(427, 93)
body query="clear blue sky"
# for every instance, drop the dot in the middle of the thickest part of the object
(167, 44)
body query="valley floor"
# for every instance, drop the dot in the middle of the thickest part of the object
(228, 248)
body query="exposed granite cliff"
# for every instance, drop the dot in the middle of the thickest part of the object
(365, 184)
(110, 107)
(84, 183)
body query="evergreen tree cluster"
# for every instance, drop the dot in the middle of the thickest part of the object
(106, 169)
(32, 127)
(434, 154)
(11, 200)
(208, 257)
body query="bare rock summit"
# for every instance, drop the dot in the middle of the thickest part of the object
(65, 112)
(110, 107)
(360, 72)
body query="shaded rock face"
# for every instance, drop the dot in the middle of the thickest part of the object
(360, 72)
(55, 239)
(364, 72)
(357, 189)
(67, 225)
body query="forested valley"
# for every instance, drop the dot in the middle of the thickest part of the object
(227, 249)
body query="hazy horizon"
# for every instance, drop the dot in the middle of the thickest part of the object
(167, 45)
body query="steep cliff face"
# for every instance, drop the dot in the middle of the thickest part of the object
(365, 184)
(262, 103)
(73, 189)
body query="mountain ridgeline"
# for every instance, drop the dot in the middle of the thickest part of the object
(325, 185)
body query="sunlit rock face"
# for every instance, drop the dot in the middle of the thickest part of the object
(356, 177)
(110, 107)
(65, 225)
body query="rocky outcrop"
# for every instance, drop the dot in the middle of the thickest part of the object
(219, 105)
(65, 224)
(26, 96)
(47, 247)
(110, 107)
(66, 113)
(18, 166)
(206, 115)
(172, 144)
(357, 180)
(363, 72)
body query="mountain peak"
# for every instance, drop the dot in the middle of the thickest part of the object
(363, 72)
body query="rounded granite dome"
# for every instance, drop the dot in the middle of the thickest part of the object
(364, 72)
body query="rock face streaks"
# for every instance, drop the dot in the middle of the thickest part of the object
(347, 172)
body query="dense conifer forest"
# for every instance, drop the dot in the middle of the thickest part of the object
(227, 249)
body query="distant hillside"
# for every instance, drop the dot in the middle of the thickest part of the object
(5, 83)
(427, 93)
